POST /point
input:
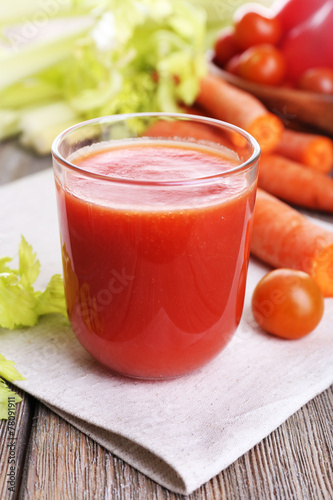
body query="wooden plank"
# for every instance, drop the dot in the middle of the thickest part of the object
(15, 449)
(295, 461)
(63, 463)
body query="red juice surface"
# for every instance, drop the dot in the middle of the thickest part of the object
(154, 274)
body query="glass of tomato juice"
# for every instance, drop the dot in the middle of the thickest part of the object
(155, 215)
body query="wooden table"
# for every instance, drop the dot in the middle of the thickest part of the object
(56, 461)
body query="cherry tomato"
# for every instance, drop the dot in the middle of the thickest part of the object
(253, 28)
(262, 64)
(287, 303)
(317, 80)
(225, 47)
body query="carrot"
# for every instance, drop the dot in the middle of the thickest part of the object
(283, 237)
(227, 139)
(188, 129)
(228, 103)
(192, 110)
(294, 183)
(313, 150)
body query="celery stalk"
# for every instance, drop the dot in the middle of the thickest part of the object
(40, 125)
(38, 56)
(100, 58)
(24, 94)
(20, 9)
(41, 140)
(37, 11)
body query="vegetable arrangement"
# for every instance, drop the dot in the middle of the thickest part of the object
(287, 45)
(284, 238)
(153, 59)
(90, 58)
(69, 61)
(223, 101)
(294, 165)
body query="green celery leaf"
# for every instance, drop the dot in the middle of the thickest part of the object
(8, 370)
(3, 265)
(17, 304)
(135, 56)
(6, 393)
(29, 266)
(52, 300)
(20, 304)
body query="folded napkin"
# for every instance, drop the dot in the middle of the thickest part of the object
(178, 432)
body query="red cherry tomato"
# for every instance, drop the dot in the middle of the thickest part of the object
(253, 28)
(287, 303)
(225, 47)
(317, 80)
(262, 64)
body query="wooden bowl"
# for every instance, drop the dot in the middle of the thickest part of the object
(290, 105)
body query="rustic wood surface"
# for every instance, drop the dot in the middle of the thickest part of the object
(56, 461)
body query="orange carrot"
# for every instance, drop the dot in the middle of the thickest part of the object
(313, 150)
(294, 183)
(192, 110)
(228, 103)
(226, 138)
(188, 129)
(283, 237)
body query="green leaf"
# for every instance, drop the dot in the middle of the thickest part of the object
(3, 265)
(29, 266)
(134, 56)
(52, 300)
(25, 60)
(8, 370)
(5, 394)
(17, 304)
(20, 304)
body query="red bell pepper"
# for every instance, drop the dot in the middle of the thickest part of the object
(309, 45)
(292, 13)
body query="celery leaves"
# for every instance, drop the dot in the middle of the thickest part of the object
(110, 57)
(8, 372)
(20, 304)
(5, 394)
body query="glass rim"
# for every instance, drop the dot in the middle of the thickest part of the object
(251, 161)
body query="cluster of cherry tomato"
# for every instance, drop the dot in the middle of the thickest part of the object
(274, 50)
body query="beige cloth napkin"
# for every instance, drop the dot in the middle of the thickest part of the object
(179, 432)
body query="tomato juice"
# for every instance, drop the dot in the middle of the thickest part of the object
(154, 260)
